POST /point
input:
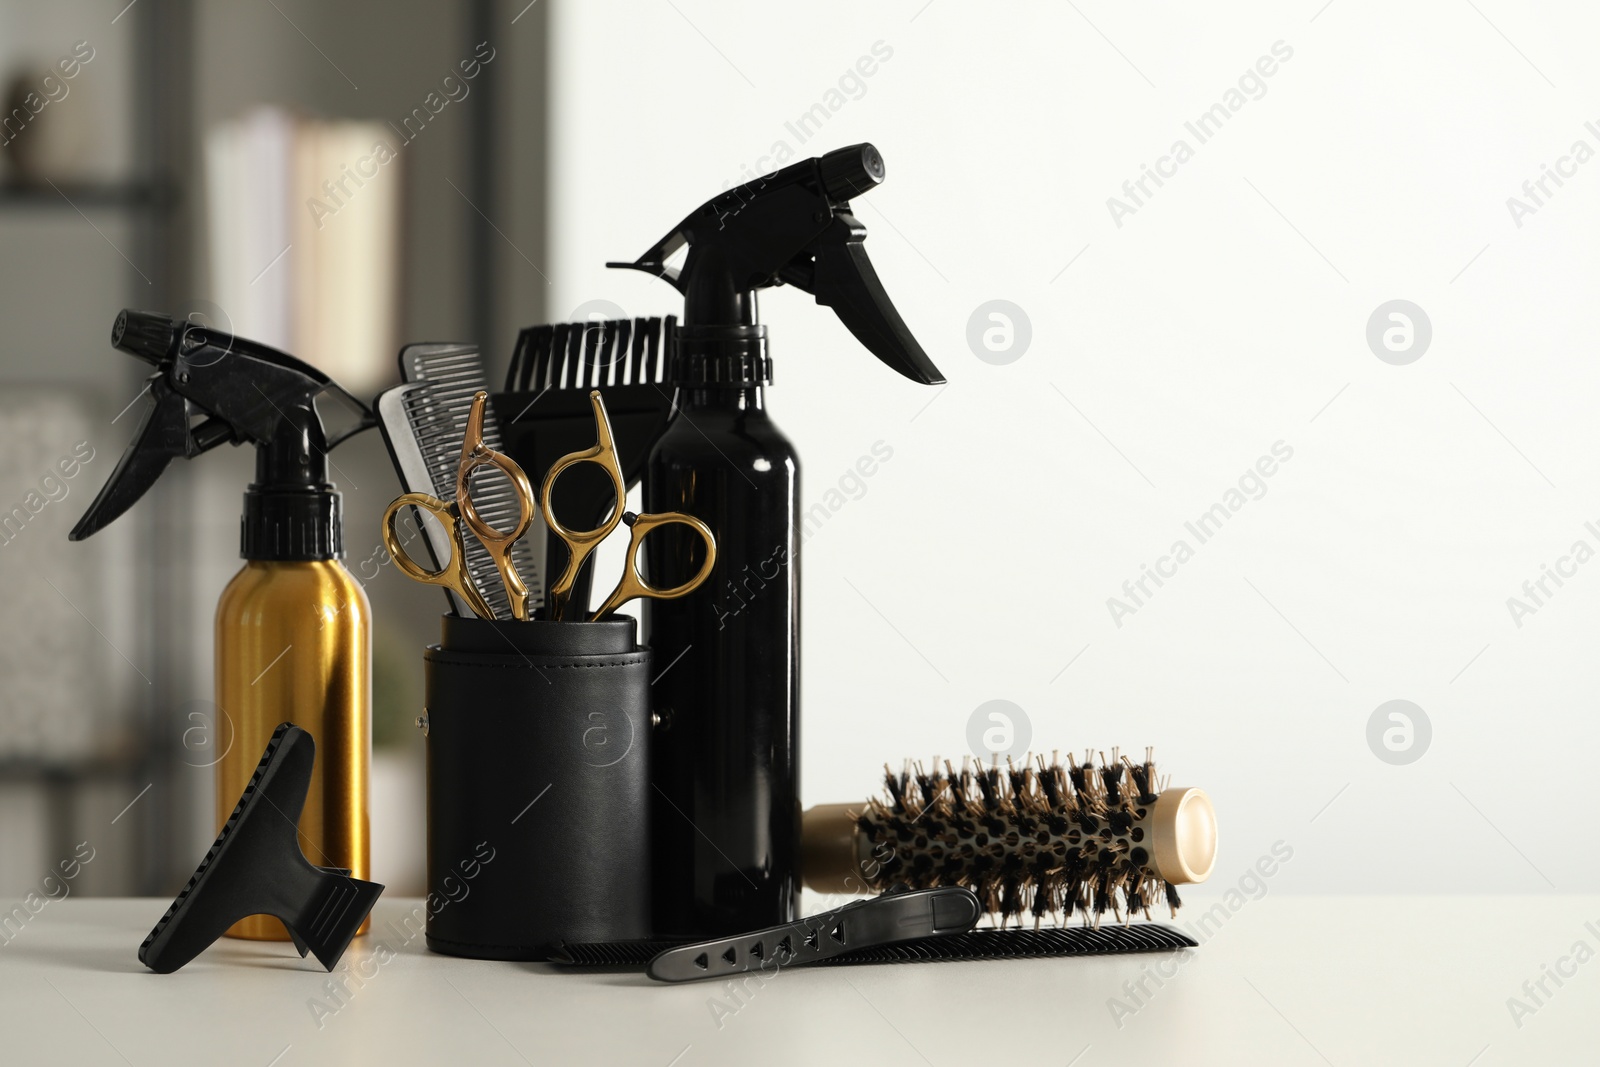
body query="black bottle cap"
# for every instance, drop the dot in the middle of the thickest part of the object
(289, 524)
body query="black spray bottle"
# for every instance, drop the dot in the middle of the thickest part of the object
(725, 756)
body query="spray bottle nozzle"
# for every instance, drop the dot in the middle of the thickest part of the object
(143, 334)
(851, 171)
(211, 387)
(792, 227)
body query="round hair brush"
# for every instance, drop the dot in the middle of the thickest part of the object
(1032, 840)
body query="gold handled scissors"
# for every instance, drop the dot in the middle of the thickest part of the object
(459, 514)
(580, 543)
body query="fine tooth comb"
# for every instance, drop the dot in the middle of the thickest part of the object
(1009, 944)
(255, 867)
(1029, 840)
(441, 382)
(545, 410)
(393, 409)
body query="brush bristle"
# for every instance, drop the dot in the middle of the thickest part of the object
(1031, 840)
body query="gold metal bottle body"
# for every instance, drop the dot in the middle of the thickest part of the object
(293, 644)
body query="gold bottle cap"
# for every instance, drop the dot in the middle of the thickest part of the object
(1184, 827)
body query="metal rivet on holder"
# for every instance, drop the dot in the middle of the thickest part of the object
(422, 722)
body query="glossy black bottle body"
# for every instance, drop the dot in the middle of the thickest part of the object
(725, 757)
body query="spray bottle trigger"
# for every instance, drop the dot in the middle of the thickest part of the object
(162, 436)
(842, 278)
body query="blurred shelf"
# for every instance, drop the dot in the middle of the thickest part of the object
(138, 196)
(12, 770)
(108, 765)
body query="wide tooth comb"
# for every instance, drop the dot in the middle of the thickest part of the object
(547, 414)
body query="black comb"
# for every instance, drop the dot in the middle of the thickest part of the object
(1015, 944)
(898, 915)
(545, 411)
(1012, 944)
(579, 356)
(255, 867)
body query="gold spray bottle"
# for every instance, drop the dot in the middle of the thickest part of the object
(294, 641)
(293, 629)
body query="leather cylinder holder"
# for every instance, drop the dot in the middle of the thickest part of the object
(538, 738)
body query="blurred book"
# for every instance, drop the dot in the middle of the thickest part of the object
(304, 227)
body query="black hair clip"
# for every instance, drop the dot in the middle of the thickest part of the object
(899, 914)
(256, 868)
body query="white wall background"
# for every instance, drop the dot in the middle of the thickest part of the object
(1227, 314)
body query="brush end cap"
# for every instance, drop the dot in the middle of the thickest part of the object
(829, 858)
(1185, 831)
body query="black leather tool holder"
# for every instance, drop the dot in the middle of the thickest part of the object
(538, 738)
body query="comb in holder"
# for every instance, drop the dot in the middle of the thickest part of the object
(256, 868)
(442, 379)
(545, 412)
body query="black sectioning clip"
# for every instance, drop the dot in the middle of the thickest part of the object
(256, 868)
(900, 914)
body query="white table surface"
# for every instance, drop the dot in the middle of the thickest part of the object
(1284, 980)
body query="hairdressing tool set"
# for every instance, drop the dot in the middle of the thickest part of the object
(604, 810)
